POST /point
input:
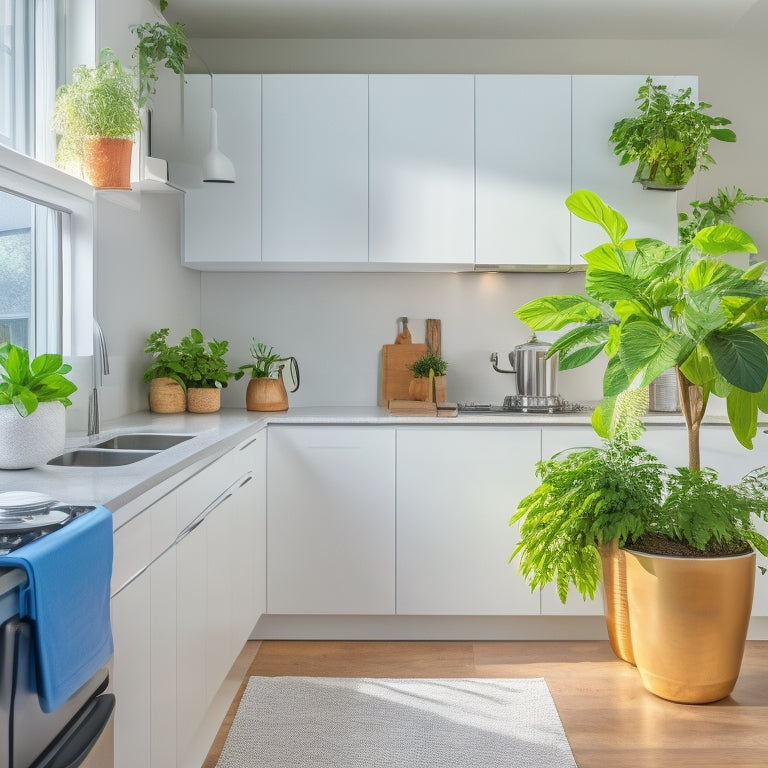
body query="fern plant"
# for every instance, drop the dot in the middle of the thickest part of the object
(587, 497)
(421, 368)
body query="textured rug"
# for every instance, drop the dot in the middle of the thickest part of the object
(333, 722)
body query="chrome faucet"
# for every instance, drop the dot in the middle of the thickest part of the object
(100, 369)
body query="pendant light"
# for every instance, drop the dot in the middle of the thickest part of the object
(217, 167)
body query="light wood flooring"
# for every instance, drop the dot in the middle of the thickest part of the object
(609, 719)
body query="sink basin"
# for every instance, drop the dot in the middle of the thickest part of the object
(148, 441)
(89, 457)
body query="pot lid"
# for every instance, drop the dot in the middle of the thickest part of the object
(534, 343)
(17, 504)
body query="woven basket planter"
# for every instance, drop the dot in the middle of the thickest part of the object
(201, 400)
(166, 396)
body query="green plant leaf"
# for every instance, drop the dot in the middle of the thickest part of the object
(722, 239)
(45, 364)
(756, 271)
(589, 207)
(740, 357)
(554, 312)
(612, 286)
(580, 345)
(723, 134)
(607, 258)
(649, 348)
(742, 415)
(25, 401)
(615, 379)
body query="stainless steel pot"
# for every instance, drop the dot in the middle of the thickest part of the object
(535, 373)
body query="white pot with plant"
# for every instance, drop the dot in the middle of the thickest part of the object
(33, 396)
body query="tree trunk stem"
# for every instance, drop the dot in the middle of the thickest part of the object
(693, 405)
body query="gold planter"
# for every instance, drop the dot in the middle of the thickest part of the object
(689, 619)
(614, 587)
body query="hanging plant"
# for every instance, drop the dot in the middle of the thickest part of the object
(158, 43)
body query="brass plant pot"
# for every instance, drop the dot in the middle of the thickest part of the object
(614, 588)
(203, 400)
(689, 619)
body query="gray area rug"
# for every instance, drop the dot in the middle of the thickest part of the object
(333, 722)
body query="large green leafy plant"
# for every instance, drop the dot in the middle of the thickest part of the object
(26, 384)
(669, 137)
(167, 360)
(651, 306)
(720, 208)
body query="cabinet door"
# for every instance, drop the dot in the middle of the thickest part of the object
(331, 520)
(222, 222)
(315, 168)
(131, 672)
(523, 169)
(599, 101)
(422, 169)
(249, 545)
(191, 704)
(456, 490)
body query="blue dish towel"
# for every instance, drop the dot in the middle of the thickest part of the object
(67, 598)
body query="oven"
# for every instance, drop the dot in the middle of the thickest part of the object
(77, 732)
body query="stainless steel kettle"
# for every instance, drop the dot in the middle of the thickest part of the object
(535, 373)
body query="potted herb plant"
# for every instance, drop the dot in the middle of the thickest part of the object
(96, 115)
(429, 380)
(652, 306)
(33, 396)
(266, 390)
(205, 371)
(165, 374)
(668, 138)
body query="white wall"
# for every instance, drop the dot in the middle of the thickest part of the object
(335, 324)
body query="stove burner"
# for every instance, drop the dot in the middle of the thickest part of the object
(19, 530)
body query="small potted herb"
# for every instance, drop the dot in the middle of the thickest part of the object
(266, 390)
(165, 374)
(429, 380)
(205, 371)
(33, 396)
(669, 138)
(97, 114)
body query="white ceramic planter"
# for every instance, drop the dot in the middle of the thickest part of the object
(33, 440)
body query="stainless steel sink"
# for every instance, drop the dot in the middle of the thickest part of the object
(94, 457)
(144, 441)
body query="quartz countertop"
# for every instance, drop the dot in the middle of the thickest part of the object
(216, 433)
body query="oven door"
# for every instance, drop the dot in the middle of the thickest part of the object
(32, 738)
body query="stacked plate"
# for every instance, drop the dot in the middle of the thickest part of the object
(21, 510)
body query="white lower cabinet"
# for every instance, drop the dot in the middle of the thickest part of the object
(188, 588)
(456, 490)
(331, 520)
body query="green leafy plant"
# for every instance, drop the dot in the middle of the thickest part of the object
(26, 384)
(267, 365)
(651, 306)
(203, 362)
(163, 5)
(718, 209)
(99, 101)
(168, 360)
(422, 367)
(158, 43)
(669, 138)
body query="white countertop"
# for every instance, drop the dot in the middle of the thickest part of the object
(216, 433)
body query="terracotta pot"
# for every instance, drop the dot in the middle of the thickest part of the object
(107, 162)
(689, 619)
(33, 440)
(614, 588)
(266, 395)
(203, 400)
(166, 396)
(420, 389)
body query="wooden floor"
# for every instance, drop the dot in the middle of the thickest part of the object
(609, 719)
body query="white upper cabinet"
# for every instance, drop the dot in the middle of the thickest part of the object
(315, 168)
(522, 169)
(421, 169)
(599, 101)
(222, 221)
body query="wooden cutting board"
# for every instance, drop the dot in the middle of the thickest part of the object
(395, 359)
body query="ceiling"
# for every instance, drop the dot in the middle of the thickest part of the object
(512, 19)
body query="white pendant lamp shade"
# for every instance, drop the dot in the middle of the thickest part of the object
(217, 167)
